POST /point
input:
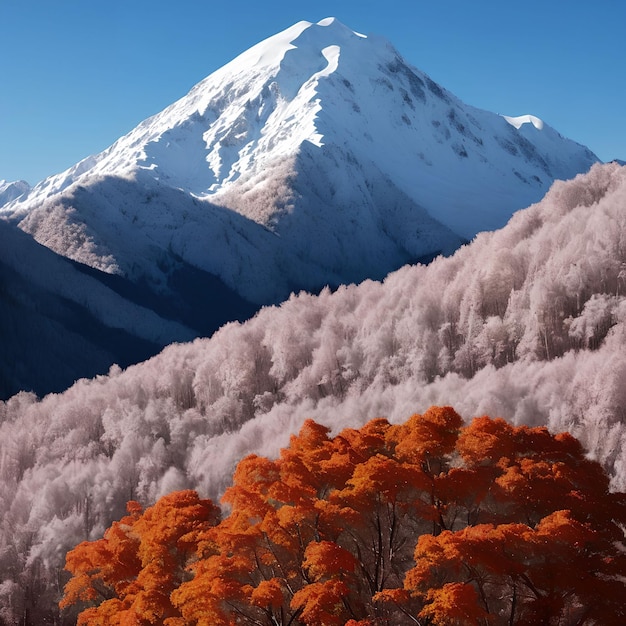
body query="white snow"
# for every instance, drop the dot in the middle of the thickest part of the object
(517, 122)
(331, 21)
(12, 190)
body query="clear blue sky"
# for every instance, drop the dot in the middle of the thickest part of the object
(77, 74)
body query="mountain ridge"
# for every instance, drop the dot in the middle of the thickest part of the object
(10, 190)
(323, 85)
(317, 157)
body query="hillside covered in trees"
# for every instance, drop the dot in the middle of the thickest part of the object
(526, 323)
(427, 522)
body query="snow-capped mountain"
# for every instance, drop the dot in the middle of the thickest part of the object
(318, 156)
(12, 190)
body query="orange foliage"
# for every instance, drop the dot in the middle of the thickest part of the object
(322, 603)
(107, 567)
(432, 435)
(454, 603)
(427, 522)
(269, 593)
(325, 559)
(140, 560)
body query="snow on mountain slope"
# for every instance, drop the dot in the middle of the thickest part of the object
(317, 156)
(12, 190)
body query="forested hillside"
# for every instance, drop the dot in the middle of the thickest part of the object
(527, 323)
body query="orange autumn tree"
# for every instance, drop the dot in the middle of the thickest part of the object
(546, 542)
(128, 575)
(427, 522)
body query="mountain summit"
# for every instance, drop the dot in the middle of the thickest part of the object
(318, 156)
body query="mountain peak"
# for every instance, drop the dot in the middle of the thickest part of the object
(10, 190)
(337, 27)
(322, 152)
(520, 120)
(330, 21)
(305, 35)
